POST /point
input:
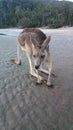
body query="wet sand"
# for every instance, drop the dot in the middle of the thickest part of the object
(27, 106)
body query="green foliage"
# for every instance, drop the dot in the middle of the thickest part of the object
(30, 13)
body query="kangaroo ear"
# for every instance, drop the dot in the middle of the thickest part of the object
(45, 43)
(34, 41)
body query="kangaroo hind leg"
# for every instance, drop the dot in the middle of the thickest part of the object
(18, 61)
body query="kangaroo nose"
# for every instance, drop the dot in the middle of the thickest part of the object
(36, 67)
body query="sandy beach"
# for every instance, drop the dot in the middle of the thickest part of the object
(27, 106)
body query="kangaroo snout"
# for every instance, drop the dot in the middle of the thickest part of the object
(37, 67)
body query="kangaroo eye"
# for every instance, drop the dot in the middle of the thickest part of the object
(42, 56)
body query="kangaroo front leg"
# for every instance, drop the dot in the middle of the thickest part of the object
(48, 80)
(32, 71)
(29, 56)
(49, 75)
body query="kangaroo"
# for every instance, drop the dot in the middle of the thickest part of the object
(36, 45)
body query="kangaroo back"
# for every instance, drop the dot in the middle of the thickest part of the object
(36, 34)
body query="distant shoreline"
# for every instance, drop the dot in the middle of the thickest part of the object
(15, 31)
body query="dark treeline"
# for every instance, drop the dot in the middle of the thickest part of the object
(32, 13)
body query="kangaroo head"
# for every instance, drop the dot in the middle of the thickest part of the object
(39, 51)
